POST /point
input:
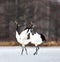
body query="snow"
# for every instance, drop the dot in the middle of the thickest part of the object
(45, 54)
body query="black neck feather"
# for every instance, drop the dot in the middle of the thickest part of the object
(17, 27)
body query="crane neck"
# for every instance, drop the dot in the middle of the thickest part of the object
(17, 27)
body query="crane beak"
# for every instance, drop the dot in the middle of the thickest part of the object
(16, 22)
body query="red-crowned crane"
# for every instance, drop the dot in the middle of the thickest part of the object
(36, 39)
(22, 38)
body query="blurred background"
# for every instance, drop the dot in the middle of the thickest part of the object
(45, 14)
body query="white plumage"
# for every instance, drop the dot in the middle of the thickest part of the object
(22, 37)
(36, 40)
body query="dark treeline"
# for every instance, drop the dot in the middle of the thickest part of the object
(44, 14)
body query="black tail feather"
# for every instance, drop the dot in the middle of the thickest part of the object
(43, 37)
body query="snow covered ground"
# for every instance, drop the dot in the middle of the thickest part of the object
(45, 54)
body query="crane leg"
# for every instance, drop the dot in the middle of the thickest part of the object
(26, 51)
(22, 50)
(37, 48)
(35, 51)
